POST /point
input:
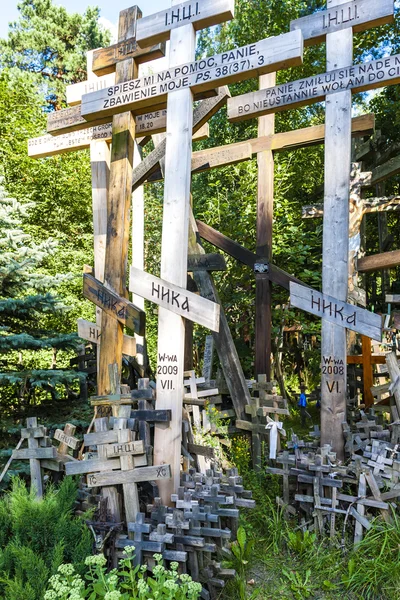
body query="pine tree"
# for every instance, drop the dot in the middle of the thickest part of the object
(26, 304)
(51, 43)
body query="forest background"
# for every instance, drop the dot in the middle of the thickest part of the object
(45, 50)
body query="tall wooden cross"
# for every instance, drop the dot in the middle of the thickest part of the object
(119, 196)
(97, 139)
(335, 25)
(184, 80)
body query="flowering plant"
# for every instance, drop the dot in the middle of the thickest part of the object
(126, 583)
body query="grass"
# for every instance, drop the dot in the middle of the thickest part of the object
(283, 563)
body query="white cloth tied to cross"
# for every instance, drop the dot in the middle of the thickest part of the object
(274, 427)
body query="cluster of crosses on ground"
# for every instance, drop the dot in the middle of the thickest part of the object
(116, 105)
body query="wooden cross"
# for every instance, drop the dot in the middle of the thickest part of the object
(38, 450)
(367, 360)
(177, 188)
(66, 439)
(337, 167)
(119, 196)
(138, 528)
(286, 461)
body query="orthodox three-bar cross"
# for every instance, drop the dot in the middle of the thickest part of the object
(177, 86)
(335, 25)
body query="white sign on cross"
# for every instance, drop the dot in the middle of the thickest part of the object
(198, 76)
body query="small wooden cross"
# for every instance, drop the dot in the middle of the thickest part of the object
(39, 448)
(139, 528)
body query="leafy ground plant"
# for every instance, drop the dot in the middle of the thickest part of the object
(126, 583)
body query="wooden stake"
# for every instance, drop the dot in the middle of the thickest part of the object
(265, 208)
(171, 327)
(36, 475)
(339, 53)
(118, 209)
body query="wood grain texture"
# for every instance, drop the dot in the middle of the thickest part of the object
(357, 78)
(116, 307)
(357, 14)
(385, 260)
(336, 311)
(34, 463)
(157, 472)
(203, 112)
(118, 211)
(335, 244)
(92, 333)
(105, 60)
(243, 255)
(213, 158)
(175, 299)
(200, 76)
(206, 262)
(75, 91)
(94, 465)
(224, 344)
(265, 210)
(174, 253)
(34, 453)
(200, 13)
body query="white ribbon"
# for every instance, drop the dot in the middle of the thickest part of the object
(274, 427)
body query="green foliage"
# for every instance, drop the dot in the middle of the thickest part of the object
(126, 583)
(36, 537)
(301, 542)
(300, 586)
(25, 307)
(50, 43)
(373, 568)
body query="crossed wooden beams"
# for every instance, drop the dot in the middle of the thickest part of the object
(240, 253)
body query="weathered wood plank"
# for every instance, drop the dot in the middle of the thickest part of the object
(201, 450)
(157, 472)
(69, 440)
(75, 91)
(242, 63)
(336, 312)
(101, 437)
(206, 262)
(175, 299)
(50, 145)
(243, 255)
(112, 304)
(203, 112)
(200, 13)
(357, 78)
(106, 59)
(335, 243)
(357, 14)
(174, 252)
(124, 449)
(224, 343)
(92, 332)
(385, 260)
(93, 465)
(34, 453)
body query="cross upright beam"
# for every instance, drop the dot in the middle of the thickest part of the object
(118, 207)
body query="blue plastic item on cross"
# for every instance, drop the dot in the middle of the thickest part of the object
(302, 400)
